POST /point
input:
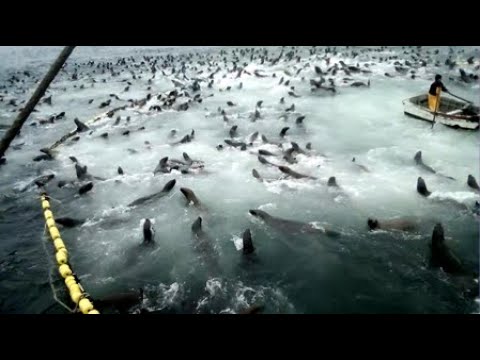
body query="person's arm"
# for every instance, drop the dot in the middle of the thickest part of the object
(444, 89)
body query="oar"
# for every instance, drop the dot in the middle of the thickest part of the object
(458, 97)
(436, 109)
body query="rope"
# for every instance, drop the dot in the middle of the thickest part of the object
(50, 279)
(47, 197)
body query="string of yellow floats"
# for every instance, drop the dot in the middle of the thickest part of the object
(76, 291)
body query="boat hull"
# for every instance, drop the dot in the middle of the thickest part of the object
(416, 108)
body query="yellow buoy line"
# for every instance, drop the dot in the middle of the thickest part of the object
(76, 291)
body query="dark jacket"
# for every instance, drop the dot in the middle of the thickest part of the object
(433, 87)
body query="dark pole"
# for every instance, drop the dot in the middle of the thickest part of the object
(37, 95)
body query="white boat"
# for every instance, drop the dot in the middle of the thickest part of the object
(453, 113)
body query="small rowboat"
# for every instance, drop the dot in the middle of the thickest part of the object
(452, 113)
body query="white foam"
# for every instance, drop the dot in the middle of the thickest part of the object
(213, 286)
(238, 242)
(459, 196)
(268, 206)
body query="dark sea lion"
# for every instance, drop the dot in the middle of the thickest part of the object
(191, 197)
(265, 161)
(472, 182)
(204, 245)
(148, 232)
(162, 166)
(419, 161)
(361, 167)
(291, 226)
(290, 172)
(441, 255)
(393, 224)
(40, 181)
(299, 120)
(122, 302)
(248, 247)
(166, 189)
(69, 222)
(233, 131)
(81, 127)
(332, 181)
(253, 137)
(422, 187)
(284, 131)
(85, 188)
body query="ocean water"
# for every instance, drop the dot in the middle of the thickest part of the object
(359, 272)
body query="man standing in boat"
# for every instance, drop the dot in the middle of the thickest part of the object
(434, 93)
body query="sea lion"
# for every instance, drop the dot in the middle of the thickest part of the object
(236, 144)
(422, 190)
(332, 181)
(162, 166)
(148, 232)
(85, 188)
(360, 84)
(233, 131)
(43, 157)
(291, 226)
(441, 255)
(422, 187)
(472, 182)
(265, 140)
(69, 222)
(63, 183)
(256, 175)
(122, 302)
(361, 167)
(186, 139)
(393, 224)
(256, 115)
(81, 127)
(290, 172)
(40, 181)
(299, 120)
(288, 156)
(204, 245)
(81, 172)
(284, 131)
(191, 197)
(265, 161)
(248, 247)
(172, 133)
(265, 153)
(166, 189)
(297, 148)
(419, 161)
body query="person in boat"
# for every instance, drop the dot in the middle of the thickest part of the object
(434, 93)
